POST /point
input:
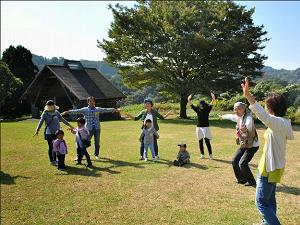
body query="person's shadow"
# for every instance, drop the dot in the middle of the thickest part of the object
(230, 162)
(288, 190)
(7, 179)
(187, 166)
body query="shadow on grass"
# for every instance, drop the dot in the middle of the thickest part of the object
(229, 162)
(89, 172)
(187, 166)
(120, 163)
(5, 178)
(288, 190)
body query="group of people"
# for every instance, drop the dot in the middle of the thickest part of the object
(271, 165)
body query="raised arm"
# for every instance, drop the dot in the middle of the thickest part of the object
(213, 97)
(269, 120)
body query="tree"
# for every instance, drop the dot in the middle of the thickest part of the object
(8, 82)
(186, 46)
(19, 60)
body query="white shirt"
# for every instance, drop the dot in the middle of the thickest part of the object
(239, 120)
(150, 117)
(279, 131)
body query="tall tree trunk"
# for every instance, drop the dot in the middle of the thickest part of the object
(183, 103)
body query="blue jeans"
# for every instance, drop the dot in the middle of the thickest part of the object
(151, 146)
(266, 200)
(96, 134)
(142, 147)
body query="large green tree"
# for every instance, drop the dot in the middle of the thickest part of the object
(186, 46)
(19, 61)
(8, 82)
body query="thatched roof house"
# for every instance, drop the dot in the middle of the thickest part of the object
(69, 85)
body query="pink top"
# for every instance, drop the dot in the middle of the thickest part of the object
(59, 146)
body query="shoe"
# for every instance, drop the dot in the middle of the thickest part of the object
(53, 163)
(241, 182)
(210, 157)
(89, 166)
(157, 157)
(97, 158)
(141, 158)
(146, 159)
(201, 156)
(76, 159)
(154, 159)
(78, 163)
(250, 184)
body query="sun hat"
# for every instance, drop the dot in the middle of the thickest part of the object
(50, 106)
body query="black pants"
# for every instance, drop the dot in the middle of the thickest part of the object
(50, 138)
(155, 147)
(180, 162)
(240, 165)
(61, 161)
(83, 152)
(207, 142)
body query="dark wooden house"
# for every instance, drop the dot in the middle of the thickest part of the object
(69, 85)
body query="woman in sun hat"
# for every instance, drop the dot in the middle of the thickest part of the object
(52, 118)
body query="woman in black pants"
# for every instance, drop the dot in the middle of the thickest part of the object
(202, 131)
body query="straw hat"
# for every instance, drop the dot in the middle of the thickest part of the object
(50, 106)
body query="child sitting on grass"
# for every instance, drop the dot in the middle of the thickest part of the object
(147, 137)
(60, 149)
(82, 142)
(183, 156)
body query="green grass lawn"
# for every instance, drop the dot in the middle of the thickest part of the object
(123, 190)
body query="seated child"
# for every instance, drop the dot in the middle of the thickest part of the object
(60, 149)
(183, 156)
(147, 136)
(82, 141)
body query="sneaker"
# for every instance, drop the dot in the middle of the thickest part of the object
(76, 159)
(250, 184)
(241, 182)
(210, 157)
(141, 157)
(53, 163)
(154, 159)
(146, 159)
(97, 158)
(157, 157)
(89, 166)
(201, 156)
(78, 163)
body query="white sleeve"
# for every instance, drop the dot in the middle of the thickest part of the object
(231, 117)
(248, 123)
(270, 121)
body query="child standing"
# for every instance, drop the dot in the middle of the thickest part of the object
(60, 149)
(183, 156)
(147, 137)
(82, 141)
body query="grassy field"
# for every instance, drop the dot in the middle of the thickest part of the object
(123, 190)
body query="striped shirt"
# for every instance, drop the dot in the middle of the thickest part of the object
(91, 115)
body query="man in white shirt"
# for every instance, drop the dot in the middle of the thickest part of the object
(247, 138)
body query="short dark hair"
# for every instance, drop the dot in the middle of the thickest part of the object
(58, 132)
(277, 104)
(80, 120)
(91, 98)
(148, 121)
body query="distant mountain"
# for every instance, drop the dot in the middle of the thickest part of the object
(289, 76)
(102, 66)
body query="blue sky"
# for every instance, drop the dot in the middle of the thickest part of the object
(71, 29)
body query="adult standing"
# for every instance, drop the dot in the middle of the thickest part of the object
(51, 117)
(91, 114)
(247, 139)
(202, 130)
(151, 114)
(272, 162)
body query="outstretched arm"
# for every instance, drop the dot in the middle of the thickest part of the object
(213, 97)
(190, 99)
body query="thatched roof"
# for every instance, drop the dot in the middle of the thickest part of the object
(80, 81)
